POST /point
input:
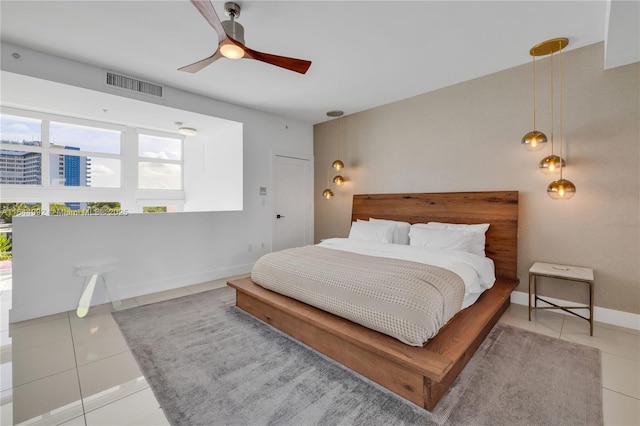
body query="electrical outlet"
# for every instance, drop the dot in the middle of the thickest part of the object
(262, 245)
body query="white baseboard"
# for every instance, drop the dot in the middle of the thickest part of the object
(605, 315)
(183, 281)
(69, 302)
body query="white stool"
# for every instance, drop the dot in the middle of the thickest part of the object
(94, 272)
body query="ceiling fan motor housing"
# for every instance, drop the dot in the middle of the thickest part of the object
(234, 30)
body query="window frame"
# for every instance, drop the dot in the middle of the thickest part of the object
(130, 197)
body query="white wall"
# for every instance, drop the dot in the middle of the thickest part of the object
(213, 179)
(154, 252)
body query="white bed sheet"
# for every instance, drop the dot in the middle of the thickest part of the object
(477, 272)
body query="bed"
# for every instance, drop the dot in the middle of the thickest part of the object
(420, 374)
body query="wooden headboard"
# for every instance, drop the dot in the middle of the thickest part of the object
(499, 208)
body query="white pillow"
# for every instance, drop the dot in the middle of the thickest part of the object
(401, 230)
(479, 241)
(369, 231)
(441, 238)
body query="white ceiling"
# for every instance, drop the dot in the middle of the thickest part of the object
(364, 53)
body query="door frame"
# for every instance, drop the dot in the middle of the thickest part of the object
(310, 187)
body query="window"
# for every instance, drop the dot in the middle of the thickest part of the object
(20, 159)
(56, 161)
(24, 131)
(159, 163)
(75, 208)
(160, 209)
(9, 210)
(84, 138)
(98, 162)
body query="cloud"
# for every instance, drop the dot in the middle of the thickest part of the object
(18, 128)
(159, 176)
(161, 155)
(101, 170)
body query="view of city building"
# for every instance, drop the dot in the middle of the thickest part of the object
(20, 167)
(25, 168)
(70, 170)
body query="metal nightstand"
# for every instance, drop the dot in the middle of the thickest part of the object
(562, 272)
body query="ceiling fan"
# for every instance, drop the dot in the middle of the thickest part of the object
(231, 41)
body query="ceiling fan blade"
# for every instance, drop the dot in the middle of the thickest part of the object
(197, 66)
(207, 10)
(298, 65)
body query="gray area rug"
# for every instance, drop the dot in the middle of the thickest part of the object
(209, 363)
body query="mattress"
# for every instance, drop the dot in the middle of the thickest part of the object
(407, 299)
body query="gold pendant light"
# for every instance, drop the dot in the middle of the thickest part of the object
(535, 139)
(337, 164)
(327, 193)
(561, 189)
(551, 164)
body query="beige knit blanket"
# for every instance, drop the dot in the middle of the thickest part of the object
(407, 300)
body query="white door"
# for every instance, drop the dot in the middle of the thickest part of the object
(292, 216)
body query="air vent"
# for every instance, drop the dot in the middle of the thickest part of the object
(133, 84)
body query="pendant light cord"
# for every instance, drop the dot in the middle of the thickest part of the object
(552, 120)
(560, 60)
(534, 91)
(338, 138)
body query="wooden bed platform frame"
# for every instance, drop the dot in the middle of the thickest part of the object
(419, 374)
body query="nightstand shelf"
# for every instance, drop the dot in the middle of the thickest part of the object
(561, 272)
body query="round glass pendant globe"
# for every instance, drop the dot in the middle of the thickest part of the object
(561, 189)
(550, 164)
(327, 193)
(534, 140)
(338, 165)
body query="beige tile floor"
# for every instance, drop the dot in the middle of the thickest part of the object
(62, 370)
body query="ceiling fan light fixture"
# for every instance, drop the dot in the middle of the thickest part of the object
(231, 51)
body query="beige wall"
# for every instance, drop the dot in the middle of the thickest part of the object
(466, 137)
